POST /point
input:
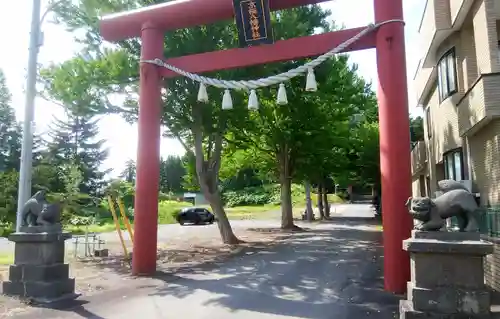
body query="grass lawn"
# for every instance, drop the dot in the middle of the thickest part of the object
(164, 217)
(252, 212)
(6, 258)
(108, 226)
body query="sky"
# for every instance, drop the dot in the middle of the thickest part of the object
(121, 138)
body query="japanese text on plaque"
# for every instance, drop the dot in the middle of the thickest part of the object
(253, 22)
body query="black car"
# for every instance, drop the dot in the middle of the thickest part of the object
(195, 215)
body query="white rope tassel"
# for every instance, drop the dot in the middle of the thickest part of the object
(227, 101)
(282, 99)
(253, 101)
(311, 84)
(202, 94)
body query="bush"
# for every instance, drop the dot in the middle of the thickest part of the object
(270, 194)
(6, 230)
(168, 210)
(248, 196)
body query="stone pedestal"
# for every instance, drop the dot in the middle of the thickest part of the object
(447, 276)
(39, 271)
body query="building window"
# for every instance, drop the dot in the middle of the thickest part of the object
(447, 75)
(428, 121)
(453, 165)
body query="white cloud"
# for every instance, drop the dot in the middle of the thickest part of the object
(122, 137)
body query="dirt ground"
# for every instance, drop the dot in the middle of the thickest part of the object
(94, 275)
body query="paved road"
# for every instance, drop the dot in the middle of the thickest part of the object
(168, 231)
(332, 271)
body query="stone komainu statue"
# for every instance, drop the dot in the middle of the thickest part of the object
(456, 201)
(38, 212)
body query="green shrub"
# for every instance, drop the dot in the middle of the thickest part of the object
(168, 210)
(270, 194)
(247, 197)
(6, 229)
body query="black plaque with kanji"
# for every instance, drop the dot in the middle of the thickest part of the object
(253, 20)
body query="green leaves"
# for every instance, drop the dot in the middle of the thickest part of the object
(86, 86)
(313, 131)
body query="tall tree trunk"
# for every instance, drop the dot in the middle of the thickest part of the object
(320, 202)
(207, 172)
(326, 204)
(309, 208)
(225, 229)
(286, 192)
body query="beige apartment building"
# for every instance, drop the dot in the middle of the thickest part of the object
(458, 86)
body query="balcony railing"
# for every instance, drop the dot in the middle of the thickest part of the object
(480, 103)
(418, 157)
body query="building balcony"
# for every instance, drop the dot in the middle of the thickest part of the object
(458, 10)
(435, 27)
(480, 104)
(423, 81)
(418, 157)
(439, 20)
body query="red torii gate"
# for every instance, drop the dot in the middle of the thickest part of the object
(151, 22)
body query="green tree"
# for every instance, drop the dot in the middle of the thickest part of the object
(308, 139)
(190, 180)
(98, 73)
(367, 155)
(239, 170)
(8, 196)
(75, 140)
(416, 129)
(10, 153)
(123, 190)
(10, 130)
(128, 174)
(172, 172)
(202, 128)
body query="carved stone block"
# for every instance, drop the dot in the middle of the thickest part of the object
(447, 276)
(39, 271)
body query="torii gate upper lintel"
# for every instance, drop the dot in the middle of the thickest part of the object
(150, 23)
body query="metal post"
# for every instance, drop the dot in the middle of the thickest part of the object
(24, 191)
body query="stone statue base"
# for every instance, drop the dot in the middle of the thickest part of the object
(39, 272)
(447, 276)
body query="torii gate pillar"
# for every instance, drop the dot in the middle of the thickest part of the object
(148, 155)
(395, 150)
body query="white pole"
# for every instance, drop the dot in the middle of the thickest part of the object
(24, 191)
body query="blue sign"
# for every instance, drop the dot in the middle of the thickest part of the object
(253, 20)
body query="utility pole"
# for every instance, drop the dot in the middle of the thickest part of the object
(25, 170)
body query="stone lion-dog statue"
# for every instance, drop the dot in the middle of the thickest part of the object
(456, 201)
(38, 212)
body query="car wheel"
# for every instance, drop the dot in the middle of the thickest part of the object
(181, 222)
(211, 221)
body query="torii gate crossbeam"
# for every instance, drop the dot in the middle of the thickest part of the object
(150, 23)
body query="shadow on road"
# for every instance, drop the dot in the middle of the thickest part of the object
(76, 307)
(331, 271)
(334, 273)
